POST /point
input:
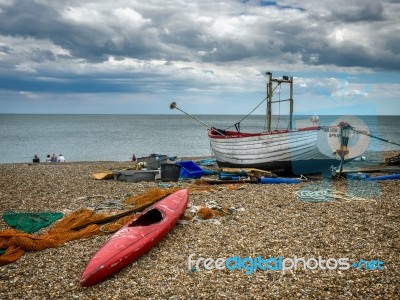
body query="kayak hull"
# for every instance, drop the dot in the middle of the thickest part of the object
(136, 238)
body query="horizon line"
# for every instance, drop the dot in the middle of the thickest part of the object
(170, 114)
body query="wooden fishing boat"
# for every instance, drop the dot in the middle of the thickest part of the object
(277, 150)
(299, 151)
(135, 238)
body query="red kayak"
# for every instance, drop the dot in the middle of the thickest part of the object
(135, 238)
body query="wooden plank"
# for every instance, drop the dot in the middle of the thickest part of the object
(103, 175)
(220, 181)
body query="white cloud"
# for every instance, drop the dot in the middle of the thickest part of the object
(29, 95)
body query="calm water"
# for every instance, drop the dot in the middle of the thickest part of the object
(117, 137)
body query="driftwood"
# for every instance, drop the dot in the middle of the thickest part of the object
(228, 181)
(103, 175)
(254, 173)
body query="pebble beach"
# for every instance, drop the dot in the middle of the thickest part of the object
(265, 220)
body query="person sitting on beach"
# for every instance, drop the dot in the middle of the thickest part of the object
(48, 158)
(36, 159)
(53, 158)
(61, 158)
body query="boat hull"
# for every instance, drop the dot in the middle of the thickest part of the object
(136, 238)
(289, 167)
(298, 152)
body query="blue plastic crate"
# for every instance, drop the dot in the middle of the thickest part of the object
(190, 169)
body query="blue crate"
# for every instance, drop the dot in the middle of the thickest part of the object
(190, 169)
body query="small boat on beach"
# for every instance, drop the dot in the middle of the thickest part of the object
(294, 150)
(136, 238)
(299, 151)
(274, 151)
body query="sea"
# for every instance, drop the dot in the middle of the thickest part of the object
(109, 137)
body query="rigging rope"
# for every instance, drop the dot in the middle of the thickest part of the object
(367, 134)
(375, 137)
(279, 115)
(237, 124)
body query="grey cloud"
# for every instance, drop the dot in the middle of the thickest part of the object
(39, 55)
(26, 18)
(358, 11)
(5, 49)
(185, 32)
(366, 19)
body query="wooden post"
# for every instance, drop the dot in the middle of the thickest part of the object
(269, 101)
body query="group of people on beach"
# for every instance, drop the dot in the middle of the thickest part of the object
(49, 158)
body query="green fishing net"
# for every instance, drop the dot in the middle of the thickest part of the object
(32, 221)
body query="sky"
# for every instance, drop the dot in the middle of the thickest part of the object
(209, 56)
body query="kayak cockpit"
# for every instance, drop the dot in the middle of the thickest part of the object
(153, 216)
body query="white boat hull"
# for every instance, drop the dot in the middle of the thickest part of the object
(295, 151)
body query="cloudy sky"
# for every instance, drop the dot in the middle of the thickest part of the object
(73, 56)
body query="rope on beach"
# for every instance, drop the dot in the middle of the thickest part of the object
(314, 196)
(326, 195)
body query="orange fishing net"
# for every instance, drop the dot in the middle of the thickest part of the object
(82, 224)
(149, 197)
(199, 186)
(16, 242)
(205, 213)
(117, 225)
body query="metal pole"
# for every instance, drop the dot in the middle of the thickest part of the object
(269, 101)
(173, 106)
(291, 102)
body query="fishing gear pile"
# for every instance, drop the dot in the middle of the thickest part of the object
(80, 224)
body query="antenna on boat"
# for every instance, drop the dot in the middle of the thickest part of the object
(174, 106)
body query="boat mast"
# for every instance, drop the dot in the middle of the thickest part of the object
(291, 103)
(284, 79)
(269, 101)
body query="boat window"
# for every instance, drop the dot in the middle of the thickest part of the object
(151, 217)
